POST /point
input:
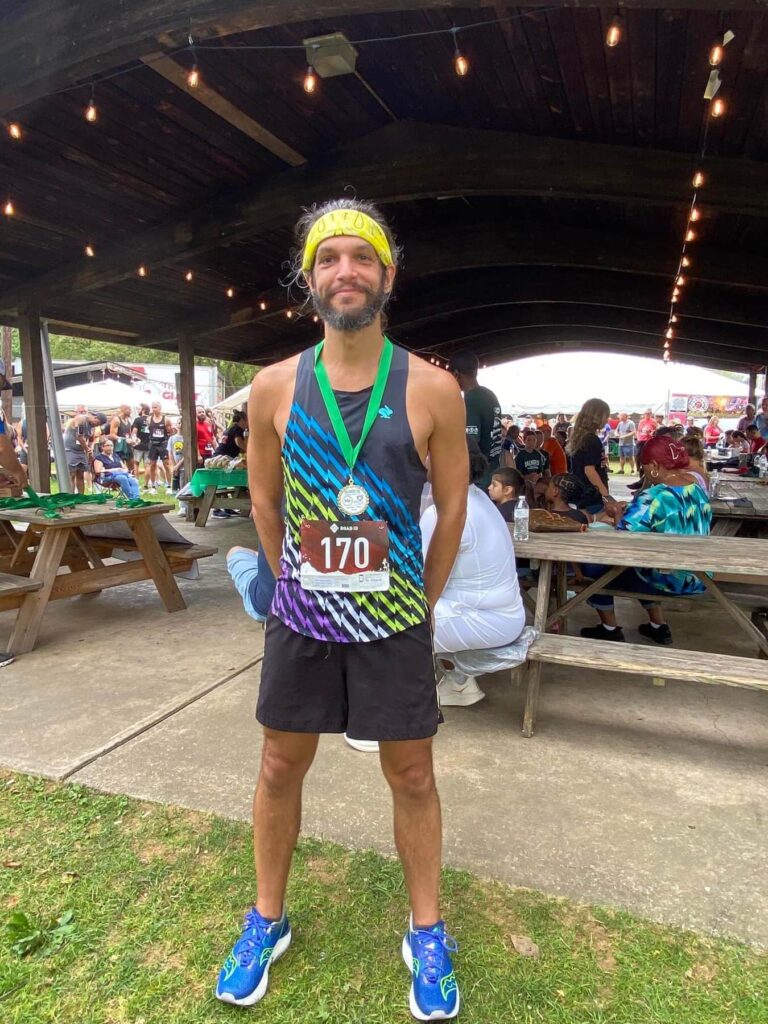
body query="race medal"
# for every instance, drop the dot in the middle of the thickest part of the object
(352, 499)
(344, 557)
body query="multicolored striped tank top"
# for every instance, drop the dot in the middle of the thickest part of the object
(390, 469)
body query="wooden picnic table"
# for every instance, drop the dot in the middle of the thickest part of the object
(729, 517)
(34, 557)
(733, 561)
(218, 488)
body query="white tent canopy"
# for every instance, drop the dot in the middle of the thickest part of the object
(239, 400)
(563, 382)
(107, 396)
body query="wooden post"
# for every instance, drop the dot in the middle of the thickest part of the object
(187, 409)
(6, 351)
(752, 392)
(34, 399)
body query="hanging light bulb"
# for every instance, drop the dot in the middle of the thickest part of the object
(460, 62)
(690, 235)
(666, 345)
(666, 357)
(188, 276)
(289, 314)
(9, 210)
(193, 78)
(14, 130)
(673, 319)
(310, 80)
(685, 262)
(695, 214)
(315, 318)
(262, 306)
(718, 107)
(230, 293)
(142, 271)
(615, 32)
(680, 281)
(698, 179)
(674, 298)
(716, 55)
(89, 250)
(669, 333)
(91, 113)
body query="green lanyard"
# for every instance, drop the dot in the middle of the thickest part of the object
(332, 406)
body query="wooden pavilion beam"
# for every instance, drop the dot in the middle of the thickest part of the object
(35, 410)
(433, 160)
(225, 109)
(47, 47)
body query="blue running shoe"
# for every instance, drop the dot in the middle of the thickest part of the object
(427, 954)
(244, 977)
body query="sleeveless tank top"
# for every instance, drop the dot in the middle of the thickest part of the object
(314, 470)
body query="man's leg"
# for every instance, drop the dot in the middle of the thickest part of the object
(285, 760)
(407, 767)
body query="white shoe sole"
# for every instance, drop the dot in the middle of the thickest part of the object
(412, 1004)
(365, 746)
(280, 947)
(460, 700)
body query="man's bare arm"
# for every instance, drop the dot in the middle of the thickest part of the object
(449, 471)
(265, 471)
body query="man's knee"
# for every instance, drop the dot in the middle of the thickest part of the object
(283, 766)
(412, 777)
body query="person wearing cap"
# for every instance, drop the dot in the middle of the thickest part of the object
(9, 460)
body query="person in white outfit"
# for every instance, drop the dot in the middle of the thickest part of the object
(481, 606)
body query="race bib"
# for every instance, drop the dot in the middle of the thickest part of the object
(345, 556)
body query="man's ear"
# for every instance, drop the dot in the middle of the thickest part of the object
(389, 279)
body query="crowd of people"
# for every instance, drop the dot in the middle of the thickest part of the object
(136, 451)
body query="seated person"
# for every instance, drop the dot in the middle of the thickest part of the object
(531, 463)
(738, 440)
(481, 606)
(109, 468)
(253, 580)
(694, 446)
(505, 488)
(756, 442)
(233, 442)
(672, 502)
(563, 492)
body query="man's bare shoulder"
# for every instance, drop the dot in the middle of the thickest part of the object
(431, 379)
(273, 379)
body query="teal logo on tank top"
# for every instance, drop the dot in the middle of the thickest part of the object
(385, 412)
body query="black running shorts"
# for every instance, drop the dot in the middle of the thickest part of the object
(381, 690)
(158, 450)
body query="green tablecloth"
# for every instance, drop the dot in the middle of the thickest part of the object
(220, 477)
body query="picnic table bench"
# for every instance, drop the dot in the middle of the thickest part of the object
(55, 558)
(740, 570)
(217, 488)
(743, 501)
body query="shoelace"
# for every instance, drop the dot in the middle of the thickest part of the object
(431, 949)
(246, 947)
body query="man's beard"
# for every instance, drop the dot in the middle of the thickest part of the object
(351, 320)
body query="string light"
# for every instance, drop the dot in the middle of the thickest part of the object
(289, 314)
(142, 271)
(666, 357)
(315, 318)
(690, 235)
(9, 210)
(230, 293)
(14, 130)
(685, 262)
(673, 318)
(681, 280)
(695, 214)
(188, 276)
(460, 62)
(670, 334)
(718, 107)
(89, 250)
(91, 113)
(310, 80)
(262, 306)
(666, 345)
(698, 179)
(193, 78)
(716, 55)
(615, 32)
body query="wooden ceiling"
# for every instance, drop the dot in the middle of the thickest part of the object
(540, 200)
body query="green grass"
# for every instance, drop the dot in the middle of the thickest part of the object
(156, 895)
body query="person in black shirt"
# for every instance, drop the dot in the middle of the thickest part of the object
(531, 463)
(588, 456)
(482, 409)
(565, 491)
(505, 488)
(140, 441)
(233, 441)
(159, 432)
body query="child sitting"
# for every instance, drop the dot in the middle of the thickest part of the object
(563, 491)
(505, 488)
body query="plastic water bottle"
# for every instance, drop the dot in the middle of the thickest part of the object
(762, 466)
(522, 515)
(715, 484)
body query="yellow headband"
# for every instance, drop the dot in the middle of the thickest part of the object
(346, 222)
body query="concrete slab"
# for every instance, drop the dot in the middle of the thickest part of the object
(106, 662)
(642, 797)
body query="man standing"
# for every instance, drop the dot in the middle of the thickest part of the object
(646, 428)
(747, 418)
(483, 411)
(340, 436)
(159, 432)
(625, 432)
(206, 436)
